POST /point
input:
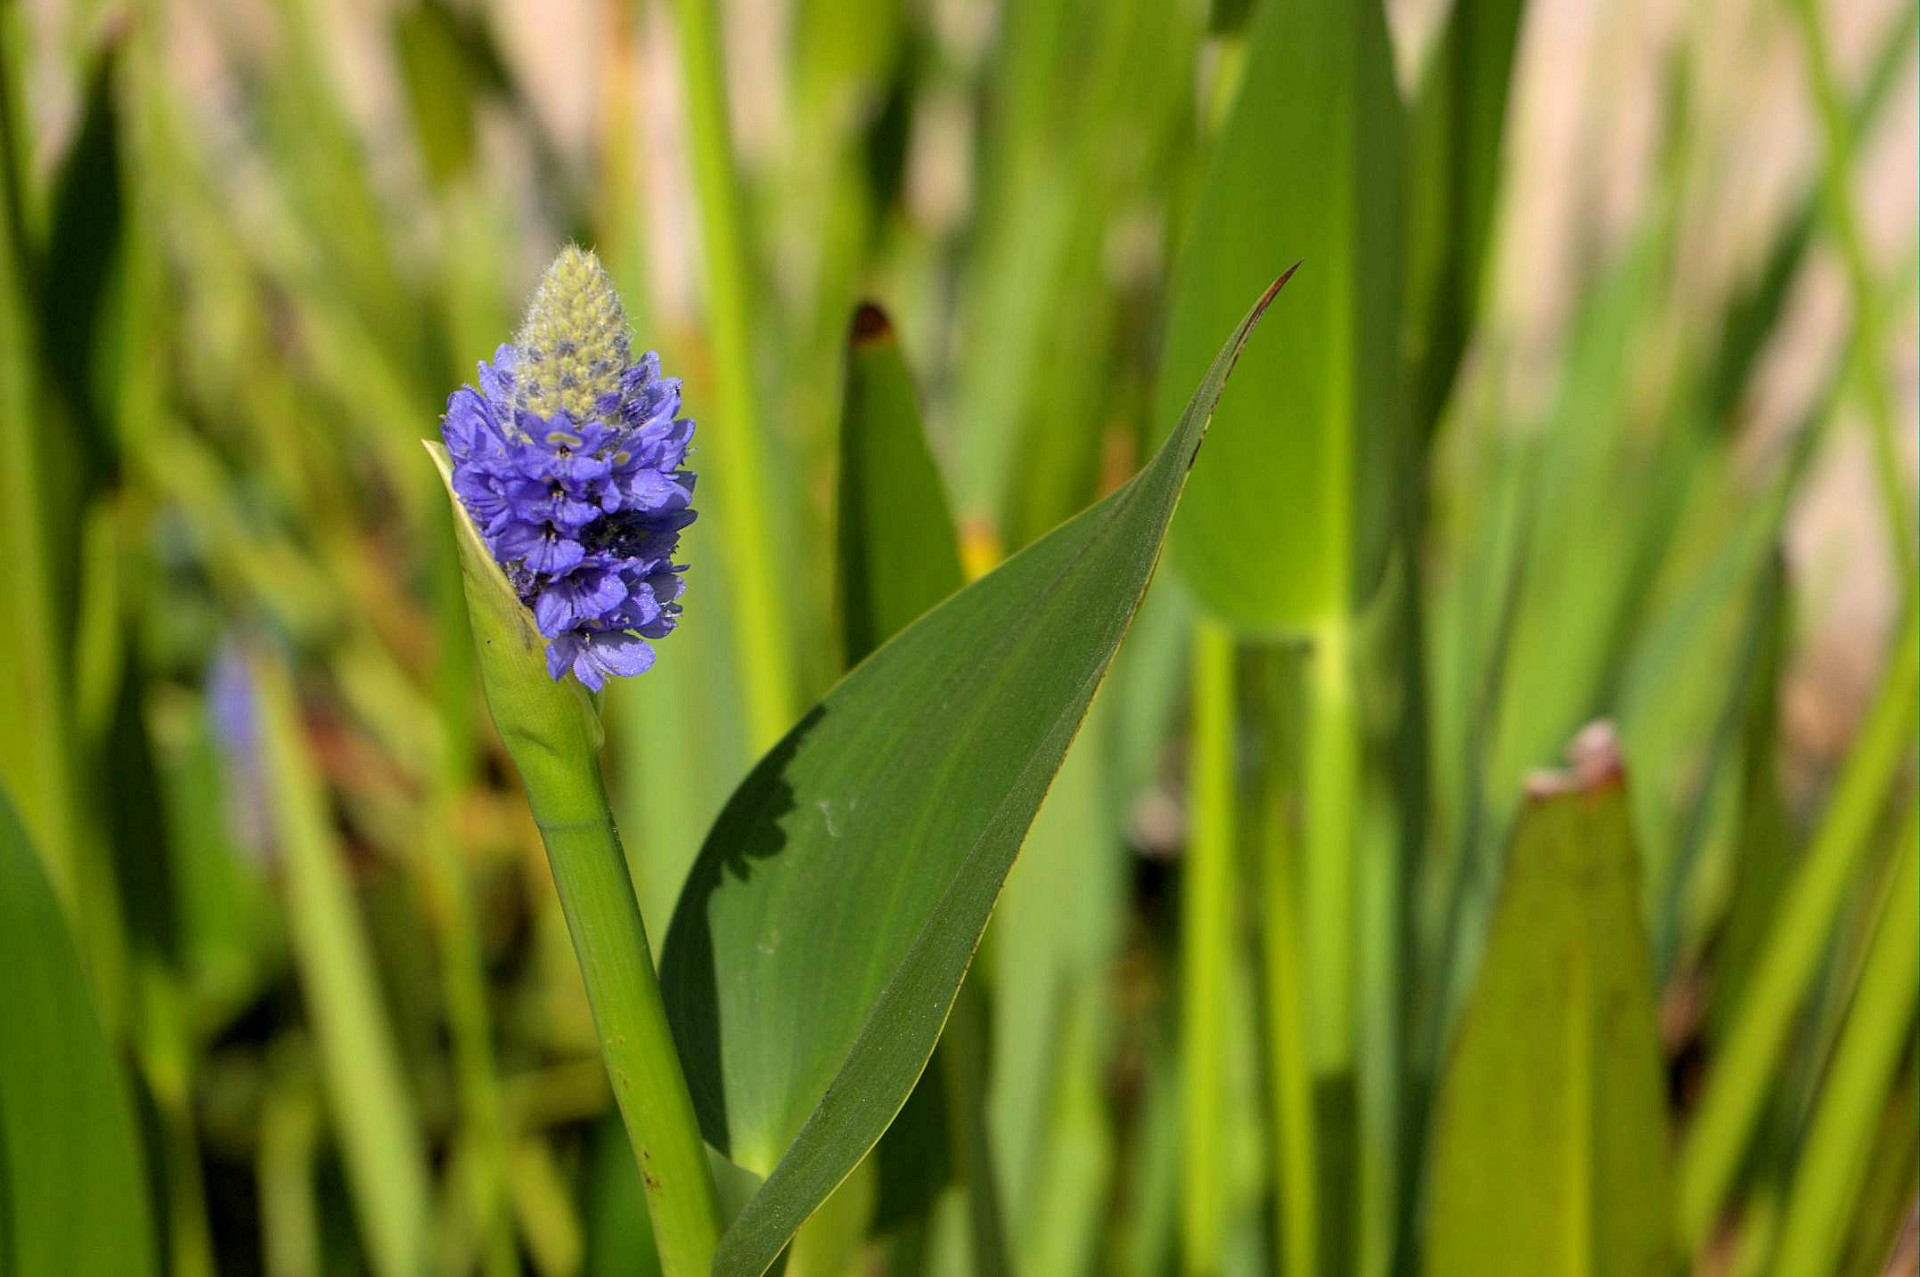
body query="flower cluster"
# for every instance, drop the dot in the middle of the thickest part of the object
(568, 459)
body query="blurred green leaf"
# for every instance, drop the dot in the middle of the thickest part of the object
(1550, 1143)
(437, 71)
(73, 1187)
(1456, 127)
(1305, 172)
(898, 557)
(945, 740)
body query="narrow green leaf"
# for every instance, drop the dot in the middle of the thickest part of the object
(1879, 1031)
(1809, 911)
(381, 1144)
(72, 1181)
(1549, 1153)
(896, 542)
(552, 732)
(1457, 122)
(826, 928)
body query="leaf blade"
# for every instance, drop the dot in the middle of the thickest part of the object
(951, 732)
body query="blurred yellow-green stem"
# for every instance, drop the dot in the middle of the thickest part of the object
(1331, 768)
(463, 977)
(734, 435)
(1730, 1108)
(1283, 986)
(1206, 947)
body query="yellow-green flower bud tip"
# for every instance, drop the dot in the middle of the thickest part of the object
(574, 342)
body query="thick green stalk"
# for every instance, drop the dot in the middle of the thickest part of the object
(590, 871)
(1331, 780)
(1832, 1166)
(1284, 987)
(1330, 918)
(552, 731)
(1206, 947)
(736, 440)
(1810, 906)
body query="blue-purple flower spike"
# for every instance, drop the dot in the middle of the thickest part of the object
(569, 460)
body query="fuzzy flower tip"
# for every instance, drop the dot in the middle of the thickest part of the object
(569, 460)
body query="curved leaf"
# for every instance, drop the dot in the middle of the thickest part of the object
(837, 903)
(72, 1185)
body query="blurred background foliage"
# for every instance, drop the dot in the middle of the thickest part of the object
(1593, 399)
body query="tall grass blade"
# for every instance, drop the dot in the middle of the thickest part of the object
(368, 1102)
(1750, 1056)
(1860, 1080)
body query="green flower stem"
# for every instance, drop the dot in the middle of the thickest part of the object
(553, 733)
(590, 871)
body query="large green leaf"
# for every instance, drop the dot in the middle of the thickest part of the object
(1550, 1140)
(838, 901)
(1273, 535)
(72, 1181)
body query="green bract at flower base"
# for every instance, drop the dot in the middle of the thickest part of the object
(553, 734)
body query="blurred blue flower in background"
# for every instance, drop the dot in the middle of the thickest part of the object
(569, 460)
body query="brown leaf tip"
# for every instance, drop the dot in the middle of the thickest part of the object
(1594, 764)
(870, 326)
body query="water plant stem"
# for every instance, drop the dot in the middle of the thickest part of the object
(552, 731)
(610, 941)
